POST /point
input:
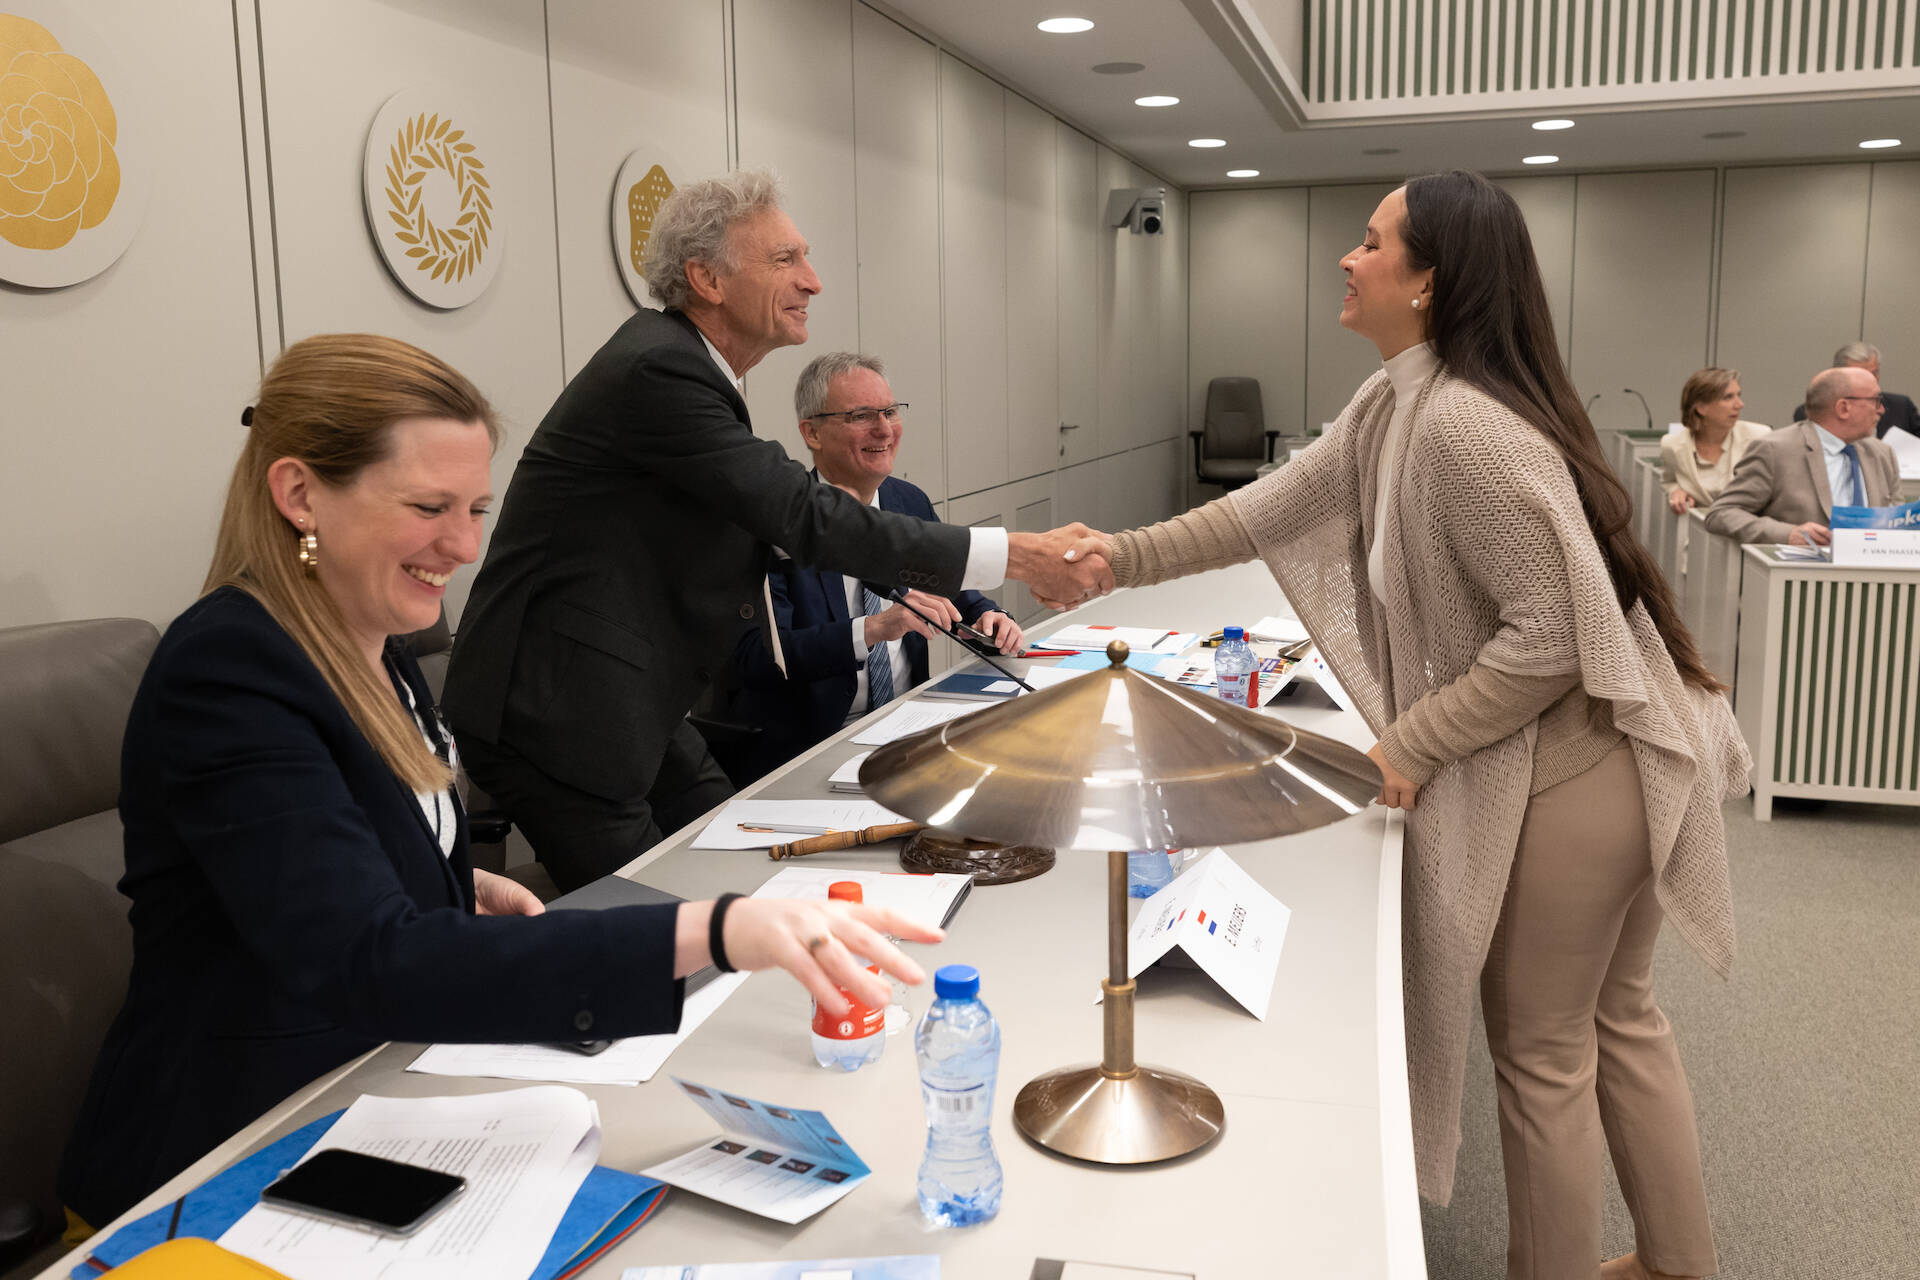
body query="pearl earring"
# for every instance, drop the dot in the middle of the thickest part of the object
(1416, 304)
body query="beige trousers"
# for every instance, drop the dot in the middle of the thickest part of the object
(1581, 1053)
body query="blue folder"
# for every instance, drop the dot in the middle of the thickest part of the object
(609, 1204)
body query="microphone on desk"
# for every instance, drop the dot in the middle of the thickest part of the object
(1629, 391)
(973, 642)
(1590, 399)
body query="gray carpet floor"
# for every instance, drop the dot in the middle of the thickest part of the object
(1804, 1065)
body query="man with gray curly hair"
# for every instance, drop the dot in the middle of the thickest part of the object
(634, 542)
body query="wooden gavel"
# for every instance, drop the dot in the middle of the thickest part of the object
(844, 839)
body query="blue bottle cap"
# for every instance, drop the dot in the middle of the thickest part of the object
(1233, 633)
(956, 982)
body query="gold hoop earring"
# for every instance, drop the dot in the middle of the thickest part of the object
(309, 553)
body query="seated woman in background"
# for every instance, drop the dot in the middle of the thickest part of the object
(1696, 464)
(296, 855)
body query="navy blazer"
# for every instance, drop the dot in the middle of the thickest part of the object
(816, 637)
(291, 909)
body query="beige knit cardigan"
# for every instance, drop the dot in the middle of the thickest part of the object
(1489, 559)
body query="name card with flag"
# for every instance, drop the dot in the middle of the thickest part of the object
(1877, 537)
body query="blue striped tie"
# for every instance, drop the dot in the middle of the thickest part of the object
(879, 661)
(1853, 464)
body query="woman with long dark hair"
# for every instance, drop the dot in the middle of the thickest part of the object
(1462, 555)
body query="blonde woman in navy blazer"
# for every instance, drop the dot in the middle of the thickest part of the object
(296, 854)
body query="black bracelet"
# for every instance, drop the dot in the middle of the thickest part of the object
(716, 928)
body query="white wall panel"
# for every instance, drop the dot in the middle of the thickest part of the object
(645, 76)
(120, 397)
(328, 69)
(1892, 310)
(1160, 336)
(1642, 260)
(896, 130)
(973, 266)
(793, 77)
(1078, 239)
(1033, 338)
(1118, 284)
(1782, 313)
(1547, 204)
(1249, 276)
(1337, 361)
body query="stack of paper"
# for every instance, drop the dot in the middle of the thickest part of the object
(933, 898)
(901, 1266)
(524, 1154)
(1278, 630)
(1906, 450)
(761, 824)
(1139, 639)
(910, 718)
(846, 778)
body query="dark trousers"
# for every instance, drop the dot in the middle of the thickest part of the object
(579, 836)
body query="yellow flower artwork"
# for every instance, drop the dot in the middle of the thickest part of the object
(643, 201)
(59, 172)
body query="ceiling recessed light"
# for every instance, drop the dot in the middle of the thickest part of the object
(1066, 26)
(1380, 151)
(1876, 144)
(1118, 68)
(1157, 100)
(1719, 135)
(1540, 160)
(1243, 173)
(1206, 142)
(1547, 126)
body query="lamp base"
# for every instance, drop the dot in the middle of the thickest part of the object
(1149, 1115)
(986, 861)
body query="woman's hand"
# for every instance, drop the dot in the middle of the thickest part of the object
(1086, 545)
(1395, 791)
(498, 896)
(1679, 502)
(816, 941)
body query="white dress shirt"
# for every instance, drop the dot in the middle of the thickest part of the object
(896, 649)
(1408, 372)
(1839, 471)
(986, 557)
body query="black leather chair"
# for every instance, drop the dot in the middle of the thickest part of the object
(1228, 449)
(65, 947)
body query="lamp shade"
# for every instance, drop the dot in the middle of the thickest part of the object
(1117, 759)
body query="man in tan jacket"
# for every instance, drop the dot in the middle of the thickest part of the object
(1785, 488)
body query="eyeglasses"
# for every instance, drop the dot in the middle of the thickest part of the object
(1879, 400)
(866, 417)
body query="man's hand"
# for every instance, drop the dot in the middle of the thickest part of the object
(1810, 534)
(1679, 502)
(1002, 630)
(1064, 566)
(891, 624)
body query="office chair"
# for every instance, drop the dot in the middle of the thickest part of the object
(65, 947)
(1227, 450)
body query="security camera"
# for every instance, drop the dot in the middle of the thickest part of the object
(1141, 210)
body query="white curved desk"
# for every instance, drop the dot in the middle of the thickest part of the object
(1312, 1176)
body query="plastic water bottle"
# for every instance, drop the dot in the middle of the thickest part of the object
(1236, 670)
(958, 1045)
(852, 1039)
(1148, 872)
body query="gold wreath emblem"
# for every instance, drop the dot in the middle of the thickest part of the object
(423, 144)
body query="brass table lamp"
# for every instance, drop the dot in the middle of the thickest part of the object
(1118, 760)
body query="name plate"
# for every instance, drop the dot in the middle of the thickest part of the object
(1221, 917)
(1877, 548)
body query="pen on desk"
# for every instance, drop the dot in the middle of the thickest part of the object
(786, 828)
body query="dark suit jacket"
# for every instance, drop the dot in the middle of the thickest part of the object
(630, 557)
(816, 637)
(291, 909)
(1899, 412)
(1781, 482)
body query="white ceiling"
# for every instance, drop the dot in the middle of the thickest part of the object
(1056, 71)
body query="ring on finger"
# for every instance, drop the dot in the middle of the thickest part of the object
(814, 944)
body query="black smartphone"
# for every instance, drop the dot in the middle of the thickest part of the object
(364, 1191)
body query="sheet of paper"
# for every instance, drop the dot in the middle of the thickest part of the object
(631, 1061)
(1317, 670)
(918, 1266)
(910, 718)
(1092, 660)
(783, 1163)
(847, 777)
(1221, 917)
(524, 1153)
(1139, 639)
(1046, 677)
(1279, 630)
(1785, 551)
(1906, 450)
(834, 815)
(924, 897)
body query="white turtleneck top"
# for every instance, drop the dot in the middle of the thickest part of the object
(1408, 372)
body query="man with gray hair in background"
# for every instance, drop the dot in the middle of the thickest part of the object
(1899, 411)
(1786, 486)
(634, 542)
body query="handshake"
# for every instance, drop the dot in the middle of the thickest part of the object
(1064, 567)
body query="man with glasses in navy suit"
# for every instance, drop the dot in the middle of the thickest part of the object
(848, 649)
